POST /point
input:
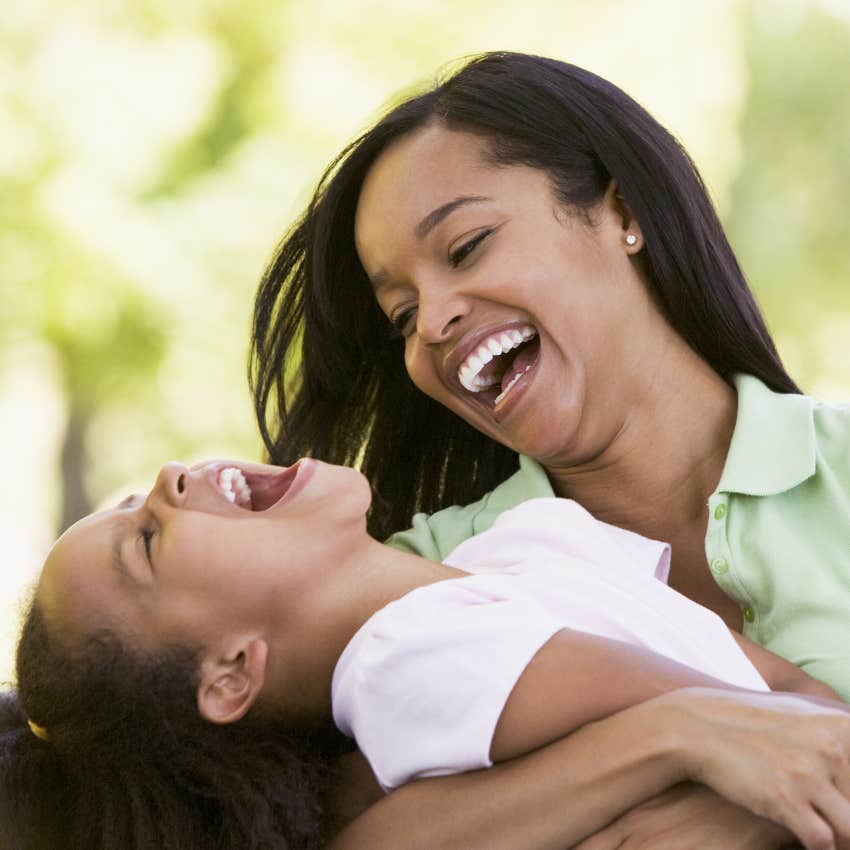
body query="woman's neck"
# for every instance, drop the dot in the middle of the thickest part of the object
(656, 475)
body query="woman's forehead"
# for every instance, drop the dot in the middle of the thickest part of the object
(429, 161)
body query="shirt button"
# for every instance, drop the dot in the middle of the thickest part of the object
(720, 566)
(720, 511)
(749, 614)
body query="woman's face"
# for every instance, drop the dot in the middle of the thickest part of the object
(217, 548)
(525, 319)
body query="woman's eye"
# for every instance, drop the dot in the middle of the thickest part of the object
(459, 254)
(401, 321)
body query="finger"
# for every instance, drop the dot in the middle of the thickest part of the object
(610, 838)
(834, 807)
(842, 782)
(842, 786)
(812, 830)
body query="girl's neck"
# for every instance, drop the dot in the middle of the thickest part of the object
(371, 576)
(381, 574)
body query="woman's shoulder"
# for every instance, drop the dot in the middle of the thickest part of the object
(832, 425)
(783, 439)
(755, 398)
(435, 535)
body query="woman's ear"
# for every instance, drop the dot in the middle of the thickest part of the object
(232, 681)
(615, 205)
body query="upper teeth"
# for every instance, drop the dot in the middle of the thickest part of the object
(234, 486)
(499, 343)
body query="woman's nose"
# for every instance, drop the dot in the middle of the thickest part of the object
(172, 484)
(437, 318)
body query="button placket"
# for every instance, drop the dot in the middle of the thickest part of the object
(717, 548)
(719, 556)
(719, 566)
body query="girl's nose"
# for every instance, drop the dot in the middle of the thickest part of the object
(172, 484)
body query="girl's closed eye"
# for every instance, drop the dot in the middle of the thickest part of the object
(459, 254)
(146, 536)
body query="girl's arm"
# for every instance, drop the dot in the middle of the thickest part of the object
(577, 678)
(761, 750)
(547, 800)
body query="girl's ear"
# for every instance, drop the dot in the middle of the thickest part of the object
(231, 684)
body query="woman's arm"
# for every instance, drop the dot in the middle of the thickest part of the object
(781, 675)
(686, 817)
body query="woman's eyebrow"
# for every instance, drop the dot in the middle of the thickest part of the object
(436, 216)
(380, 278)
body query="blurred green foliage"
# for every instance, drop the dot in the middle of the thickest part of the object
(152, 153)
(789, 218)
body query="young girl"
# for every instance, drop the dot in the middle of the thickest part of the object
(203, 627)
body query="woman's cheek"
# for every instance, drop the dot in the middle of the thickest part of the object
(414, 363)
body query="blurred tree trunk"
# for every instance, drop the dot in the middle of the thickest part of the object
(75, 502)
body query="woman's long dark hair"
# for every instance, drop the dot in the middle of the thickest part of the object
(327, 376)
(131, 764)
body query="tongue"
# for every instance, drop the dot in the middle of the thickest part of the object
(268, 490)
(525, 356)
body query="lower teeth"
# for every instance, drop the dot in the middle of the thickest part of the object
(515, 378)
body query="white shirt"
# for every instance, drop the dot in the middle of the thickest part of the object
(423, 682)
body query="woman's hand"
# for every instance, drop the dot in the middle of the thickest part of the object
(689, 817)
(780, 756)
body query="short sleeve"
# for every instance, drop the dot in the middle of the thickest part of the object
(423, 683)
(433, 536)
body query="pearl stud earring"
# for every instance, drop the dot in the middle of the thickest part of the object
(631, 239)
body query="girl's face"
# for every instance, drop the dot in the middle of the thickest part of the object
(213, 549)
(528, 321)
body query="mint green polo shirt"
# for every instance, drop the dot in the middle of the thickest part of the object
(778, 538)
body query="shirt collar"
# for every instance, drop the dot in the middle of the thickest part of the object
(773, 447)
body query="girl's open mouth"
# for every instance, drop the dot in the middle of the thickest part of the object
(253, 490)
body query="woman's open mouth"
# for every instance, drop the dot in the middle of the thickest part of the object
(256, 491)
(498, 364)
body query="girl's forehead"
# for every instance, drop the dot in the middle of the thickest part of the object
(80, 566)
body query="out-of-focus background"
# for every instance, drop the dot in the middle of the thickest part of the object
(152, 153)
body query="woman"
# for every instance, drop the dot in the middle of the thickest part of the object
(527, 197)
(174, 672)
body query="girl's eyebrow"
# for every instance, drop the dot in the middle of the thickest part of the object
(118, 529)
(125, 502)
